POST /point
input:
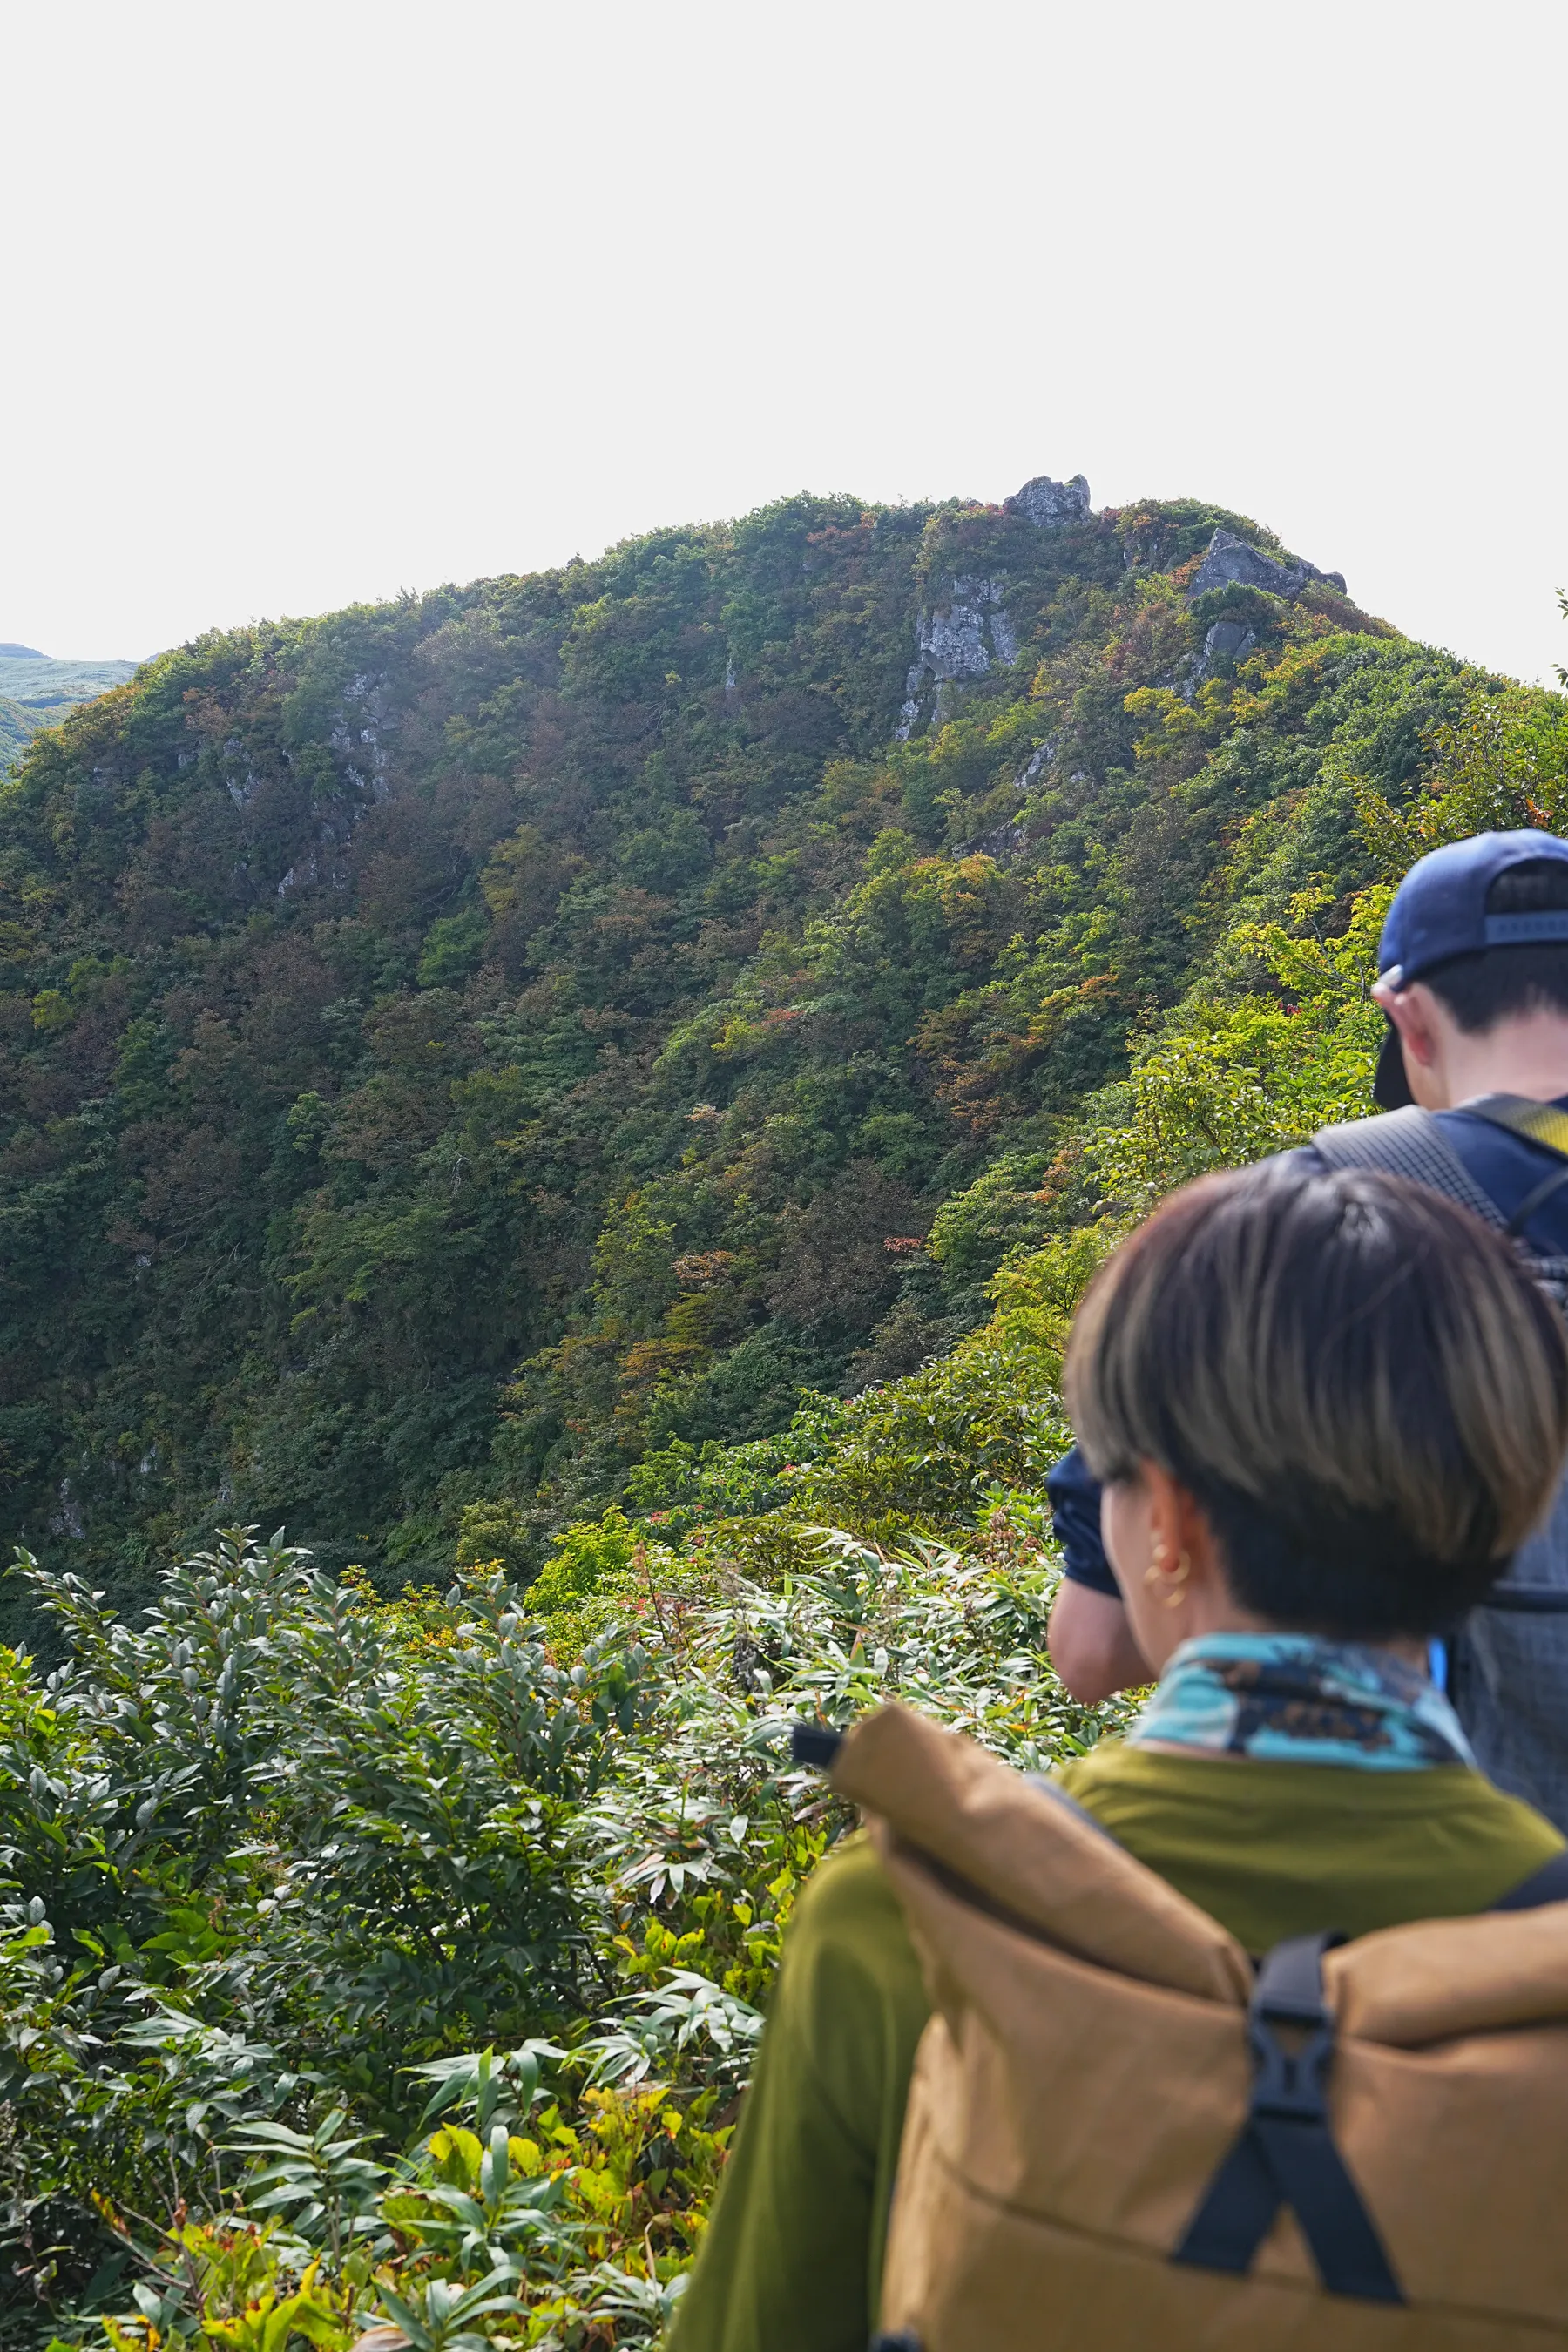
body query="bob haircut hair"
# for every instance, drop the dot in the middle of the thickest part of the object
(1359, 1382)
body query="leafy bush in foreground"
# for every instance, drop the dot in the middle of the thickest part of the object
(367, 1964)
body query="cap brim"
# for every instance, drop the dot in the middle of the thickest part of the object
(1391, 1088)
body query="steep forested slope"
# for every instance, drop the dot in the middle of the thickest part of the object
(452, 1047)
(18, 725)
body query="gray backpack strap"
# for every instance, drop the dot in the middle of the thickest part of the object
(1508, 1664)
(1059, 1795)
(1408, 1142)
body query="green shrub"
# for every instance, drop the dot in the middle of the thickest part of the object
(285, 1862)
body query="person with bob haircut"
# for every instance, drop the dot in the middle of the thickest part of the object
(1326, 1409)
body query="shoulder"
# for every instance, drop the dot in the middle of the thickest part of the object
(849, 2000)
(1370, 1138)
(1412, 1144)
(1521, 1837)
(1270, 1848)
(848, 1914)
(1098, 1777)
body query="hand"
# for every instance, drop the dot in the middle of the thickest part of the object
(1092, 1644)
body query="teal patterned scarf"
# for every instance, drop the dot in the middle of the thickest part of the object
(1293, 1698)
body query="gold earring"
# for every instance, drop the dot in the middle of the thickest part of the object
(1173, 1579)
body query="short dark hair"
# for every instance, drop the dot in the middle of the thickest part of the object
(1359, 1381)
(1481, 990)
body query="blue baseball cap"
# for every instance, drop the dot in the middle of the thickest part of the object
(1440, 908)
(1439, 911)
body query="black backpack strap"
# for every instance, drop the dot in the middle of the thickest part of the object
(1547, 1885)
(1286, 2153)
(814, 1745)
(1408, 1142)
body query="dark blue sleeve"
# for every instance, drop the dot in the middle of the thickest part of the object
(1074, 1492)
(1507, 1168)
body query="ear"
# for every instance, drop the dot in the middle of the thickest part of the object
(1413, 1011)
(1178, 1523)
(1166, 1495)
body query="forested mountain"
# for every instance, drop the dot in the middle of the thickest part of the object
(453, 1047)
(36, 692)
(594, 1099)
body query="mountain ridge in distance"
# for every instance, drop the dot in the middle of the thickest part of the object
(37, 691)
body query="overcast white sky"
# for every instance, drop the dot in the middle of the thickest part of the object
(305, 304)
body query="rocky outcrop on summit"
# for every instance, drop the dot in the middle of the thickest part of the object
(1045, 503)
(958, 639)
(1229, 560)
(966, 631)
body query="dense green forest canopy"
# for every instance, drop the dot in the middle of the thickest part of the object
(456, 1050)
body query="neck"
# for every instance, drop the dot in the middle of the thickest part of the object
(1527, 1055)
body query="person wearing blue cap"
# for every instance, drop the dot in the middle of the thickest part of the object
(1472, 1081)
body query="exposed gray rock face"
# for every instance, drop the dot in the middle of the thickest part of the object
(1038, 759)
(1230, 559)
(1004, 841)
(958, 640)
(953, 639)
(961, 638)
(362, 689)
(1002, 636)
(1045, 503)
(1229, 641)
(68, 1519)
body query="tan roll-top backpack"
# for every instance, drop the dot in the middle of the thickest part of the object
(1123, 2137)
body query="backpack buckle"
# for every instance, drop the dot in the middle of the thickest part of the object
(1291, 2078)
(1290, 2083)
(1286, 2153)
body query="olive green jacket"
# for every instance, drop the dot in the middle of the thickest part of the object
(792, 2259)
